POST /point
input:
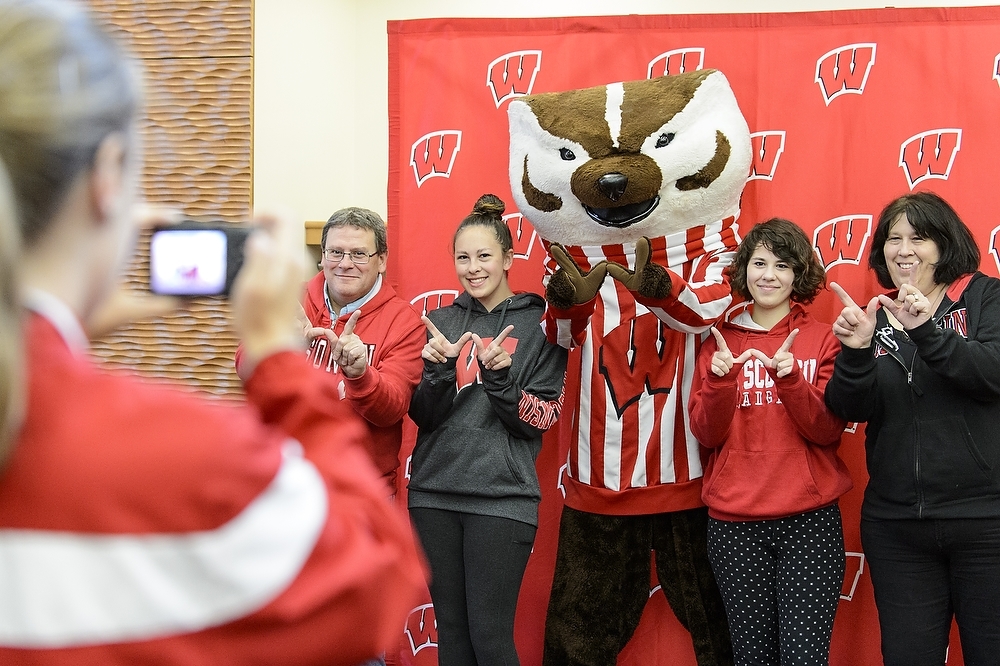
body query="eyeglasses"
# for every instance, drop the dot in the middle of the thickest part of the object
(358, 257)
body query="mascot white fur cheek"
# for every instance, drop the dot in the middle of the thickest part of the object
(638, 182)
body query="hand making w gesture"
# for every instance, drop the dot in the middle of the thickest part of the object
(912, 308)
(310, 332)
(439, 349)
(854, 327)
(493, 356)
(722, 359)
(783, 361)
(570, 285)
(349, 351)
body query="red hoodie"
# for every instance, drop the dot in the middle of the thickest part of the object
(394, 335)
(773, 441)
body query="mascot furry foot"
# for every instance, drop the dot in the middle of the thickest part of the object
(638, 182)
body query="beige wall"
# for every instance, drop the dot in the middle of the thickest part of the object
(321, 108)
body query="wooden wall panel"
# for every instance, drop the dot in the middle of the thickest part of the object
(197, 135)
(197, 130)
(181, 28)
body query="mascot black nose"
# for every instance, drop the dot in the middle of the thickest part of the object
(612, 185)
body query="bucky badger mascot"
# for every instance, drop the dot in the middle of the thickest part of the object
(635, 189)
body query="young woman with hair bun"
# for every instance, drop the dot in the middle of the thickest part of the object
(491, 386)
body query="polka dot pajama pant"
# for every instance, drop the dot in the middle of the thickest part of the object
(780, 581)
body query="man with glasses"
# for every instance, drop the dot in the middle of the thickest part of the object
(359, 329)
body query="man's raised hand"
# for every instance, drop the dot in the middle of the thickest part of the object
(311, 332)
(349, 351)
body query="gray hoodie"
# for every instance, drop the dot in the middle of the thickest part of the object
(480, 430)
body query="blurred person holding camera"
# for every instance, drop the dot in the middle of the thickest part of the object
(140, 524)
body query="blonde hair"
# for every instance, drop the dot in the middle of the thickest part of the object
(64, 87)
(12, 391)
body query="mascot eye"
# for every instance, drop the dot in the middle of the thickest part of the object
(567, 154)
(664, 140)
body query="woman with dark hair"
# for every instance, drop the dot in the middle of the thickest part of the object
(140, 524)
(773, 476)
(492, 385)
(922, 366)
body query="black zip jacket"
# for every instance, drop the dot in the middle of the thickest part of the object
(931, 397)
(480, 430)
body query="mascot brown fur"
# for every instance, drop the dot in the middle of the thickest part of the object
(635, 188)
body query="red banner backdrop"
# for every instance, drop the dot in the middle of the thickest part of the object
(847, 110)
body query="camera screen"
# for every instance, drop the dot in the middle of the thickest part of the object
(188, 262)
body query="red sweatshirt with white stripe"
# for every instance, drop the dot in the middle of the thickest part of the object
(141, 525)
(628, 381)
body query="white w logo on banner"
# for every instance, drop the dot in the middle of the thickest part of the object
(930, 154)
(513, 75)
(434, 154)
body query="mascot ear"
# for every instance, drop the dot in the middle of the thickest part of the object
(570, 285)
(648, 280)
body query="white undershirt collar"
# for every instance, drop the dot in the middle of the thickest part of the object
(57, 313)
(351, 307)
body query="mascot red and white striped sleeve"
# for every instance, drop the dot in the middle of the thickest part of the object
(635, 188)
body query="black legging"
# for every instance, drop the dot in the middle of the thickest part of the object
(477, 563)
(780, 580)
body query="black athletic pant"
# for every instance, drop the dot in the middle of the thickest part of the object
(477, 563)
(781, 581)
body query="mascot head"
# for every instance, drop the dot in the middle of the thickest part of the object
(614, 163)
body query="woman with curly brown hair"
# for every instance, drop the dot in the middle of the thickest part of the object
(773, 476)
